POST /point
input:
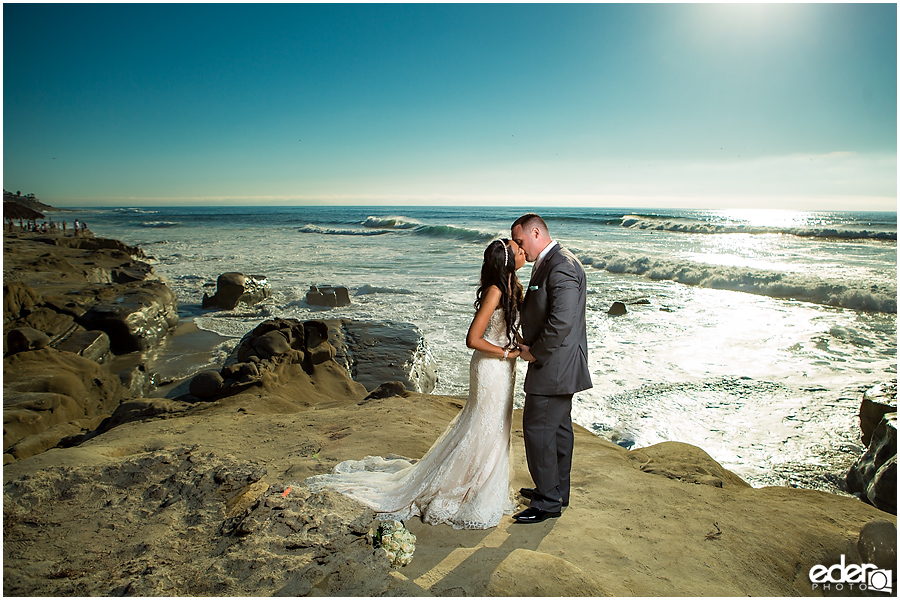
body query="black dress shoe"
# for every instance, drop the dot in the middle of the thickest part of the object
(529, 493)
(534, 515)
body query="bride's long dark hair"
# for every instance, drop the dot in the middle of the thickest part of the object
(499, 268)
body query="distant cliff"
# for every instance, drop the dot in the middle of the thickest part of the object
(28, 201)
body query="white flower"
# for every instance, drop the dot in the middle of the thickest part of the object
(396, 541)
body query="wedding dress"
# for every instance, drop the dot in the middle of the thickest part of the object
(464, 479)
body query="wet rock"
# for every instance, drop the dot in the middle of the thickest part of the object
(378, 351)
(207, 385)
(137, 381)
(873, 477)
(326, 295)
(93, 345)
(232, 288)
(26, 338)
(136, 316)
(876, 402)
(617, 308)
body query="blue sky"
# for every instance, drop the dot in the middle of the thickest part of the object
(626, 105)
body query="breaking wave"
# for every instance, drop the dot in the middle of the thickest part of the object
(160, 224)
(863, 296)
(437, 231)
(686, 225)
(310, 228)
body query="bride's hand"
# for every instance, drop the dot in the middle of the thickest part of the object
(525, 353)
(514, 353)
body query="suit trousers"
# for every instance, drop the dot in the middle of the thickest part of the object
(549, 442)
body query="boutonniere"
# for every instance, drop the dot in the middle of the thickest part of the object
(532, 288)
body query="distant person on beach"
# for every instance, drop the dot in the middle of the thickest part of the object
(76, 227)
(463, 480)
(554, 342)
(83, 227)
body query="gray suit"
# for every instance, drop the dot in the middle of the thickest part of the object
(553, 324)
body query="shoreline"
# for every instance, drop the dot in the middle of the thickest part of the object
(642, 522)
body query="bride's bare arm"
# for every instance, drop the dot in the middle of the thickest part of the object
(474, 338)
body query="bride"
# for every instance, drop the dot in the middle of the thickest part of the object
(463, 480)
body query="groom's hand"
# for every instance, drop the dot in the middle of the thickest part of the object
(525, 353)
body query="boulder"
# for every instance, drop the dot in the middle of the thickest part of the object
(136, 316)
(873, 477)
(617, 308)
(326, 295)
(26, 338)
(378, 351)
(877, 544)
(272, 343)
(232, 288)
(206, 385)
(876, 402)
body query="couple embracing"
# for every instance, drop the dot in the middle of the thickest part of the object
(463, 480)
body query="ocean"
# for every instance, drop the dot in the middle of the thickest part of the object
(750, 333)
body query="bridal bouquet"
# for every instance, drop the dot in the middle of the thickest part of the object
(397, 541)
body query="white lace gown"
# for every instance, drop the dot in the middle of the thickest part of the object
(464, 479)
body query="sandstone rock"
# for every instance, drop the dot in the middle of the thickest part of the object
(44, 388)
(326, 295)
(272, 343)
(206, 385)
(387, 390)
(617, 308)
(26, 338)
(873, 477)
(232, 288)
(515, 576)
(18, 297)
(142, 408)
(877, 544)
(684, 462)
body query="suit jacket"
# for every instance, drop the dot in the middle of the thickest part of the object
(553, 324)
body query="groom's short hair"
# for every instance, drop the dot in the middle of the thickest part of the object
(530, 221)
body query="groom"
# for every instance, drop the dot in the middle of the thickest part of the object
(554, 342)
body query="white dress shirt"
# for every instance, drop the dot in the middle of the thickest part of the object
(541, 256)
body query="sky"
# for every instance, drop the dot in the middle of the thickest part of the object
(618, 105)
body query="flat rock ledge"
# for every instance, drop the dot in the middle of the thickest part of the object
(67, 286)
(210, 526)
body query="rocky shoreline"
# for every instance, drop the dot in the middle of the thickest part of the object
(112, 489)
